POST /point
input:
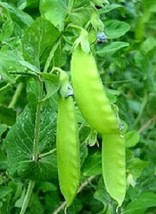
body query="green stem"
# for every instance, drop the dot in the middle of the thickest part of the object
(27, 196)
(47, 153)
(54, 48)
(141, 111)
(37, 123)
(16, 95)
(70, 4)
(35, 147)
(7, 87)
(76, 27)
(147, 124)
(83, 185)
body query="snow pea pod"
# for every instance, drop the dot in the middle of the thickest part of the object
(90, 94)
(67, 144)
(113, 166)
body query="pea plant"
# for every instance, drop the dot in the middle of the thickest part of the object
(77, 106)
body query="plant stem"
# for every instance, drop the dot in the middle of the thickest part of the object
(37, 123)
(141, 111)
(27, 196)
(47, 153)
(16, 95)
(5, 88)
(83, 185)
(145, 126)
(70, 5)
(54, 48)
(35, 147)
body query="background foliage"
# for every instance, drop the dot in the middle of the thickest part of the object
(37, 35)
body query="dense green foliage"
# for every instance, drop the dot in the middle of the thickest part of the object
(35, 37)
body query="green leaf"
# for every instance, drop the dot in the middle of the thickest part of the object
(151, 104)
(3, 161)
(31, 4)
(6, 30)
(21, 18)
(4, 191)
(83, 41)
(22, 132)
(112, 48)
(9, 62)
(7, 115)
(32, 92)
(141, 202)
(112, 95)
(38, 40)
(92, 165)
(132, 138)
(52, 84)
(43, 169)
(99, 3)
(148, 45)
(28, 65)
(92, 138)
(20, 150)
(115, 28)
(54, 11)
(110, 7)
(80, 13)
(136, 166)
(20, 200)
(149, 5)
(47, 187)
(101, 194)
(35, 205)
(84, 131)
(3, 128)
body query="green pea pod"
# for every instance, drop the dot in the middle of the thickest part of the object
(90, 94)
(113, 166)
(68, 157)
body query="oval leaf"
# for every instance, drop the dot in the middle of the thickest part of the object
(132, 138)
(111, 48)
(115, 28)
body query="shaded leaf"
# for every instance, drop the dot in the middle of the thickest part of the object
(101, 194)
(3, 161)
(3, 128)
(141, 202)
(136, 166)
(92, 165)
(7, 115)
(4, 191)
(151, 104)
